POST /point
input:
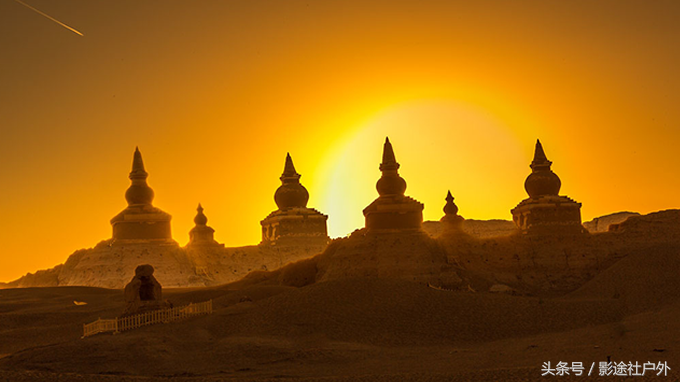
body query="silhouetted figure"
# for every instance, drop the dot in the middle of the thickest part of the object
(293, 223)
(143, 293)
(392, 209)
(545, 211)
(140, 221)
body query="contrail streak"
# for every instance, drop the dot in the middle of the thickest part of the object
(49, 17)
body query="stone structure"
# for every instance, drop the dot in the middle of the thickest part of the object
(545, 211)
(392, 210)
(293, 223)
(202, 245)
(451, 222)
(140, 221)
(141, 234)
(143, 293)
(393, 244)
(201, 234)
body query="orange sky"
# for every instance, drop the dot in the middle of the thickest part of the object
(216, 92)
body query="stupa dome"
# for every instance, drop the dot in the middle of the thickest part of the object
(200, 218)
(450, 208)
(291, 194)
(139, 191)
(390, 183)
(542, 180)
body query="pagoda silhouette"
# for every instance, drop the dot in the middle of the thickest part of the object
(392, 210)
(140, 221)
(293, 223)
(545, 212)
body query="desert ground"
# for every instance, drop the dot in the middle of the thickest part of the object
(358, 329)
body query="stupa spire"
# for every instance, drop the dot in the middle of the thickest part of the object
(291, 194)
(289, 169)
(540, 159)
(545, 211)
(293, 223)
(390, 183)
(140, 220)
(138, 171)
(139, 191)
(200, 218)
(392, 209)
(452, 221)
(389, 161)
(450, 208)
(542, 180)
(201, 234)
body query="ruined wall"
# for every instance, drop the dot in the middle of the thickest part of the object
(110, 263)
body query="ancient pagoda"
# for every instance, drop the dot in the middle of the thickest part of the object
(293, 223)
(203, 249)
(451, 222)
(140, 221)
(392, 210)
(201, 234)
(545, 211)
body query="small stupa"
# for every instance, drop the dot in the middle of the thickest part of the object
(451, 222)
(140, 221)
(201, 234)
(202, 248)
(545, 211)
(293, 223)
(392, 210)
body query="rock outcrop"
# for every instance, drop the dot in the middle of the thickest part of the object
(602, 223)
(410, 256)
(477, 228)
(658, 226)
(143, 293)
(109, 265)
(45, 277)
(517, 264)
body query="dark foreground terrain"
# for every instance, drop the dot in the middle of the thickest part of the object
(352, 330)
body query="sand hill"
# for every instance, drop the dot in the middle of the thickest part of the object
(354, 329)
(410, 256)
(525, 265)
(498, 227)
(111, 265)
(478, 228)
(487, 254)
(345, 315)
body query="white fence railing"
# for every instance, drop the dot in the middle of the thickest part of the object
(120, 324)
